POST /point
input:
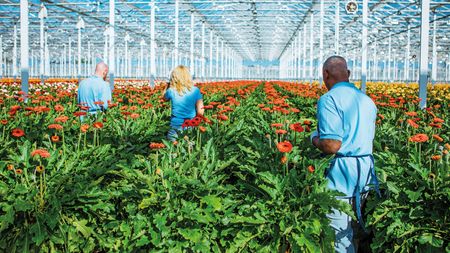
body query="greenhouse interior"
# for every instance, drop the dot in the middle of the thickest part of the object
(225, 126)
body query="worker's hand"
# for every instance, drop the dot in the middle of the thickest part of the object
(313, 135)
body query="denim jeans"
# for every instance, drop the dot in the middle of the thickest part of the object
(342, 225)
(172, 135)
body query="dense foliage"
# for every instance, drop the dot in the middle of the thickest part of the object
(243, 178)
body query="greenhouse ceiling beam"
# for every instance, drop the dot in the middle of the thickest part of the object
(401, 32)
(310, 11)
(213, 27)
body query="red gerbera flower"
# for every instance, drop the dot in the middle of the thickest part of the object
(78, 114)
(17, 132)
(284, 147)
(41, 152)
(155, 145)
(277, 125)
(97, 125)
(55, 126)
(419, 138)
(297, 127)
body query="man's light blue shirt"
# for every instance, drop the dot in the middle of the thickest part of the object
(94, 89)
(346, 114)
(183, 105)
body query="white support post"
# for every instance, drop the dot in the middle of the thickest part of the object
(319, 63)
(311, 50)
(141, 59)
(42, 15)
(408, 49)
(88, 64)
(304, 52)
(222, 66)
(46, 56)
(14, 61)
(1, 56)
(365, 10)
(424, 39)
(389, 58)
(176, 57)
(203, 51)
(211, 37)
(192, 60)
(152, 44)
(105, 47)
(64, 61)
(434, 64)
(217, 57)
(375, 61)
(112, 56)
(300, 56)
(336, 28)
(24, 49)
(80, 25)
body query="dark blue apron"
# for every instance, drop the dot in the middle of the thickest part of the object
(356, 192)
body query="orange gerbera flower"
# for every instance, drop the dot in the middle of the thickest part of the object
(284, 147)
(222, 117)
(78, 114)
(419, 138)
(283, 159)
(84, 128)
(411, 114)
(297, 127)
(61, 119)
(4, 121)
(17, 132)
(40, 152)
(438, 120)
(276, 125)
(311, 169)
(55, 126)
(155, 145)
(97, 125)
(412, 123)
(55, 138)
(436, 157)
(281, 131)
(202, 129)
(135, 115)
(438, 138)
(59, 108)
(307, 122)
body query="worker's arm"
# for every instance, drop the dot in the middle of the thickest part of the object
(328, 137)
(164, 93)
(199, 107)
(327, 146)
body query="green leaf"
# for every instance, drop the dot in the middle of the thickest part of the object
(194, 235)
(213, 201)
(82, 228)
(430, 239)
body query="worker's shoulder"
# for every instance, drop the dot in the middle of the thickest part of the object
(94, 81)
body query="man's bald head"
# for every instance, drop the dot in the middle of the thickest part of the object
(101, 70)
(335, 70)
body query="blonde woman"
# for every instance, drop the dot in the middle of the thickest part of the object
(186, 99)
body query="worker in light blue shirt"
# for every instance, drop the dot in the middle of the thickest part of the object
(346, 128)
(186, 100)
(94, 92)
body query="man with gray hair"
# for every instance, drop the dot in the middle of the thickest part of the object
(94, 92)
(346, 129)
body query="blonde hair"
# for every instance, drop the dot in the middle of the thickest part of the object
(180, 79)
